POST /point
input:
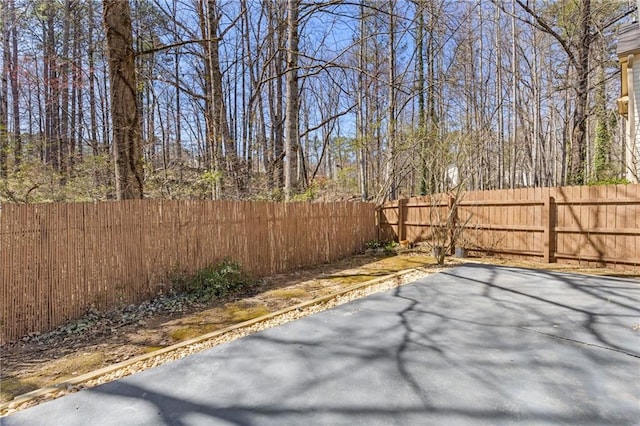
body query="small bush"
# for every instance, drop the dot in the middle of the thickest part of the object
(218, 281)
(609, 181)
(391, 247)
(374, 244)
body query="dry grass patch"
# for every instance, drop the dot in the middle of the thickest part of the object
(73, 365)
(150, 349)
(382, 267)
(245, 311)
(12, 386)
(349, 279)
(191, 331)
(52, 372)
(287, 293)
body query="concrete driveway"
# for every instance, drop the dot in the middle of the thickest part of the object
(474, 345)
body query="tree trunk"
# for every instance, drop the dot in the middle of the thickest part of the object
(77, 110)
(362, 135)
(178, 118)
(291, 114)
(422, 133)
(391, 111)
(514, 105)
(65, 144)
(226, 139)
(93, 116)
(124, 110)
(432, 133)
(579, 136)
(500, 102)
(13, 75)
(276, 100)
(4, 94)
(51, 89)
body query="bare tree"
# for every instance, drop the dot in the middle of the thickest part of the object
(578, 54)
(4, 91)
(273, 98)
(291, 88)
(15, 84)
(124, 110)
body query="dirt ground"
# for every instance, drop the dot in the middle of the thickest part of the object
(35, 363)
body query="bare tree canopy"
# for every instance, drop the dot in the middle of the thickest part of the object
(305, 100)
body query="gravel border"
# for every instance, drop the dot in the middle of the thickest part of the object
(209, 340)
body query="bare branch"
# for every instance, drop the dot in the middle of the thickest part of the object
(541, 24)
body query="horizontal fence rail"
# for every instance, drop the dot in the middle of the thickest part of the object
(58, 260)
(599, 225)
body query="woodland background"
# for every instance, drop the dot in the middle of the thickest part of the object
(304, 100)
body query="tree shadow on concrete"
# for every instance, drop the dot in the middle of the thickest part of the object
(473, 345)
(594, 305)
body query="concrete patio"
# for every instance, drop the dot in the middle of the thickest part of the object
(474, 345)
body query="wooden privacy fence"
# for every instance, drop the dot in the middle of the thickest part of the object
(57, 260)
(599, 225)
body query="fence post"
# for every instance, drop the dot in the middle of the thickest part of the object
(549, 224)
(452, 218)
(402, 212)
(378, 220)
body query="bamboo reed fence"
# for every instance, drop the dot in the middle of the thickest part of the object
(58, 260)
(593, 225)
